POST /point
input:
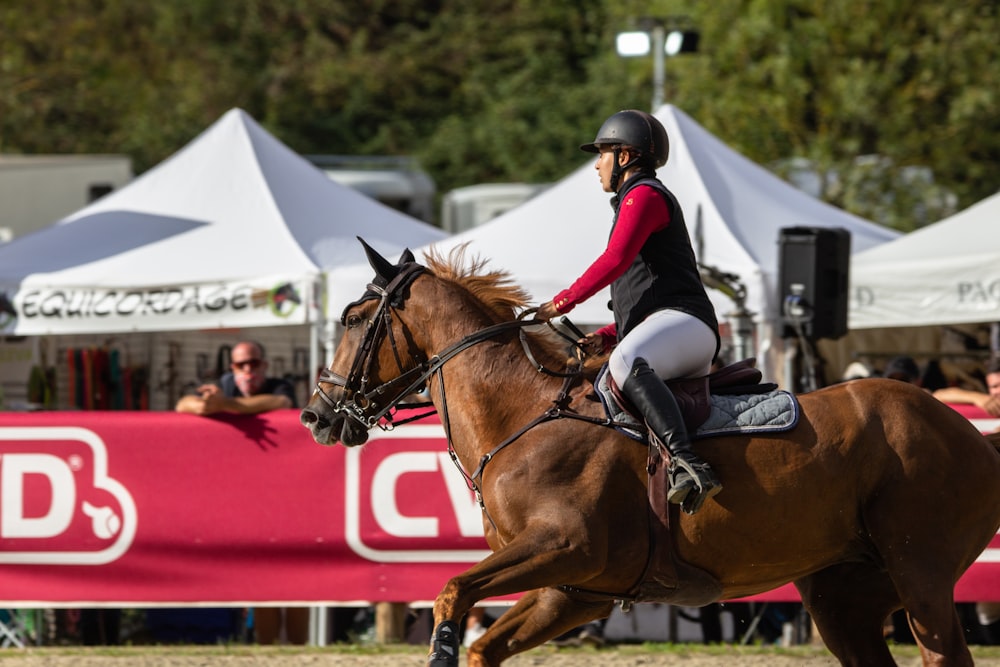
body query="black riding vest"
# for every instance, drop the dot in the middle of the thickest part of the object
(664, 274)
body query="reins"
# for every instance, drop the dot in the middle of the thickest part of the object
(422, 373)
(379, 327)
(360, 396)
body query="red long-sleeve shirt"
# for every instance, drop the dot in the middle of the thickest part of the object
(643, 212)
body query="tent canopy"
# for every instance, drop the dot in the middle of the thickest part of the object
(944, 273)
(733, 207)
(234, 230)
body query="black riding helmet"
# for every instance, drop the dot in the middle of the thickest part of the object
(637, 130)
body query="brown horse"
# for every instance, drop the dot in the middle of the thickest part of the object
(879, 498)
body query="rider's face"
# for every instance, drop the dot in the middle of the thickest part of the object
(606, 162)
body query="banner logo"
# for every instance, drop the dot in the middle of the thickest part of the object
(282, 299)
(404, 496)
(57, 504)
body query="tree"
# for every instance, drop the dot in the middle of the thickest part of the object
(912, 83)
(506, 91)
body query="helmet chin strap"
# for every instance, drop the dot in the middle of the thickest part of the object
(618, 169)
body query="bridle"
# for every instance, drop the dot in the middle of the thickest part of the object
(358, 399)
(358, 395)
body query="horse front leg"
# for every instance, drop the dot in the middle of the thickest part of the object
(540, 615)
(537, 559)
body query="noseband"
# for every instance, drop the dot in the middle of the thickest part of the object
(357, 401)
(357, 397)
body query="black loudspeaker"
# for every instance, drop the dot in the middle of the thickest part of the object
(813, 281)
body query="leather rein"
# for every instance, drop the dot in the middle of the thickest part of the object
(359, 396)
(355, 387)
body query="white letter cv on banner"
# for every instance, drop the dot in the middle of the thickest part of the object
(377, 491)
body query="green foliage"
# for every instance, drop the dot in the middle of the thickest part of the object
(902, 84)
(505, 90)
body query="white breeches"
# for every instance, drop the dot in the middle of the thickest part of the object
(674, 344)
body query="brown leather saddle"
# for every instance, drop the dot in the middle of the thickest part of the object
(667, 578)
(694, 395)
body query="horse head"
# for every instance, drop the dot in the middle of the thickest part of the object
(375, 361)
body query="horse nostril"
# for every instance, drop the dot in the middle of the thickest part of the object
(308, 417)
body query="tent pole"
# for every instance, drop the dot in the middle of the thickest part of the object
(791, 352)
(317, 626)
(315, 338)
(741, 328)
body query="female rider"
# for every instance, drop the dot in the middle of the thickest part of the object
(664, 324)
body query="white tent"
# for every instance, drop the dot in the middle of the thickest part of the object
(734, 210)
(945, 273)
(234, 230)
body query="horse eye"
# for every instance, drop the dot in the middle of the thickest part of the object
(353, 321)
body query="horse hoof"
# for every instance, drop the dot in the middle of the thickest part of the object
(444, 646)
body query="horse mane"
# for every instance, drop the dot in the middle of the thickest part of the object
(496, 292)
(495, 289)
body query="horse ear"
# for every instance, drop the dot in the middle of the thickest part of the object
(383, 267)
(407, 257)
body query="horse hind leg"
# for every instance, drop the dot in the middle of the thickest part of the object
(540, 615)
(937, 628)
(849, 604)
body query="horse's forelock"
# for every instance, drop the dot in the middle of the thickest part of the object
(495, 289)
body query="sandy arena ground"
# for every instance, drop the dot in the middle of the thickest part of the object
(622, 656)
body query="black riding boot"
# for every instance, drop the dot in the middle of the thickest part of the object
(692, 481)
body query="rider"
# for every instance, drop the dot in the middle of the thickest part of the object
(665, 326)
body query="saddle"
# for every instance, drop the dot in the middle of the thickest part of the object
(693, 395)
(668, 578)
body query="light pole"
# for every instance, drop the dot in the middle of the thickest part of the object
(653, 37)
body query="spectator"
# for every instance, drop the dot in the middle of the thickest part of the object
(988, 401)
(245, 389)
(855, 371)
(903, 368)
(933, 377)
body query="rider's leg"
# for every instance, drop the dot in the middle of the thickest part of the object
(689, 474)
(670, 344)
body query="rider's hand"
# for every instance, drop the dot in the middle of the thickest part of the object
(592, 344)
(546, 311)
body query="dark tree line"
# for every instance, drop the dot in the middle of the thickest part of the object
(876, 97)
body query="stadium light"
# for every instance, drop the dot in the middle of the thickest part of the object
(654, 38)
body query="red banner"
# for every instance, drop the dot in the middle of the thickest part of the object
(138, 508)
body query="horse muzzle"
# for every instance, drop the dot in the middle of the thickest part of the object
(329, 427)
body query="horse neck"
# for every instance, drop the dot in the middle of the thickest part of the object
(491, 389)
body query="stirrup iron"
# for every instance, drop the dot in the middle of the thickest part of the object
(691, 484)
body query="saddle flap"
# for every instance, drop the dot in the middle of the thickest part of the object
(693, 398)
